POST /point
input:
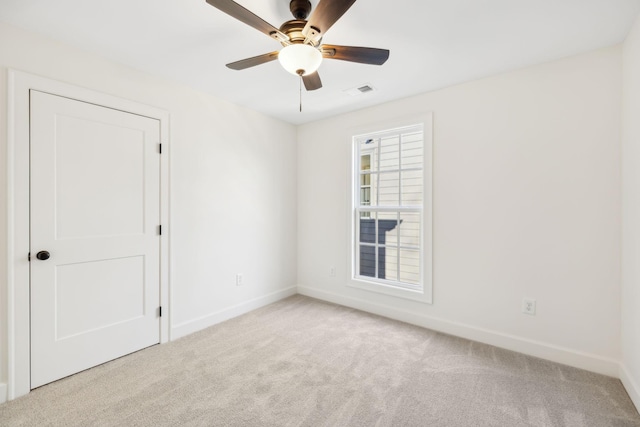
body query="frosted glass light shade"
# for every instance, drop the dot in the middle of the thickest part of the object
(296, 57)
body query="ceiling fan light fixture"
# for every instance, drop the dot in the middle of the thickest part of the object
(300, 59)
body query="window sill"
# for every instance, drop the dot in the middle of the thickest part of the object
(423, 296)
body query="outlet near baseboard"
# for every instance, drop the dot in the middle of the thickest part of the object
(529, 306)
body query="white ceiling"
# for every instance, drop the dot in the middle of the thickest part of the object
(433, 43)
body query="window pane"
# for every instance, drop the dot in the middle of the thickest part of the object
(410, 266)
(367, 265)
(368, 156)
(389, 192)
(365, 196)
(367, 227)
(412, 150)
(410, 229)
(390, 153)
(387, 257)
(388, 228)
(372, 186)
(365, 162)
(412, 188)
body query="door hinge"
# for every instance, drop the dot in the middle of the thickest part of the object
(160, 148)
(160, 311)
(160, 230)
(29, 257)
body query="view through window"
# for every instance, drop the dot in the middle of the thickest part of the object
(389, 207)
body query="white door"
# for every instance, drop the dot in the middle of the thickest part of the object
(95, 208)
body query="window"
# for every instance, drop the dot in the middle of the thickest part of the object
(389, 224)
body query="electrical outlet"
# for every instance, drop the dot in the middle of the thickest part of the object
(332, 271)
(529, 306)
(239, 279)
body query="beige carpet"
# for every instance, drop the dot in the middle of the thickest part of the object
(302, 362)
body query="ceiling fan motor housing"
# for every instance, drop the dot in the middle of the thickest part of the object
(300, 8)
(293, 30)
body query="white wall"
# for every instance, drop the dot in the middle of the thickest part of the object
(527, 201)
(233, 185)
(3, 236)
(630, 372)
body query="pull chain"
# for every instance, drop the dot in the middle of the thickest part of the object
(300, 73)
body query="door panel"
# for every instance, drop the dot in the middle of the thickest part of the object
(95, 207)
(111, 292)
(111, 172)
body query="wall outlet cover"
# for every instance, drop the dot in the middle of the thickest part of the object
(529, 306)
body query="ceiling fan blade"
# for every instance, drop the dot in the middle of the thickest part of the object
(234, 10)
(312, 81)
(326, 13)
(252, 62)
(363, 55)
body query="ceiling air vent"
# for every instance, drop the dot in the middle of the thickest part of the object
(365, 88)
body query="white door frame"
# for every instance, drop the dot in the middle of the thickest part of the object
(18, 281)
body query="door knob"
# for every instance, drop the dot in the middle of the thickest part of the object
(43, 255)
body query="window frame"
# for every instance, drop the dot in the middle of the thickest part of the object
(422, 293)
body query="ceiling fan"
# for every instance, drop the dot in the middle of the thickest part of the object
(302, 52)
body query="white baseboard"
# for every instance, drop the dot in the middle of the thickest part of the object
(633, 388)
(3, 392)
(203, 322)
(565, 356)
